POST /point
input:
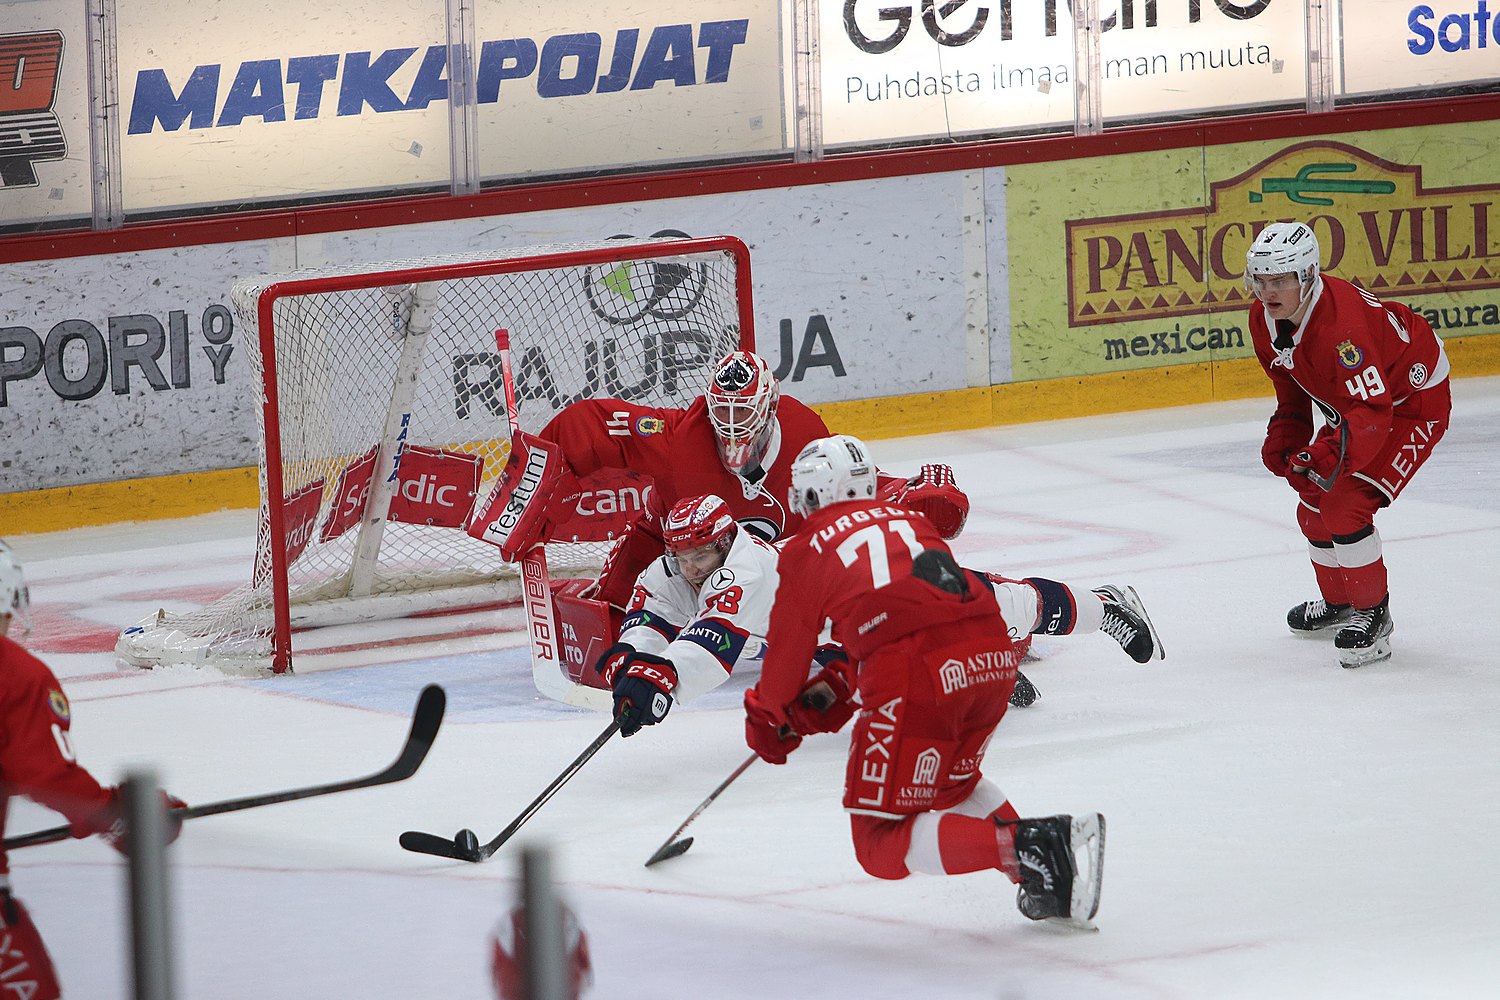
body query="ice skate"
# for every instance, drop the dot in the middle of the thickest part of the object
(1126, 622)
(1062, 863)
(1366, 638)
(1317, 617)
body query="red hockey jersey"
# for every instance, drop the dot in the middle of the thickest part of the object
(676, 448)
(1354, 356)
(36, 759)
(851, 564)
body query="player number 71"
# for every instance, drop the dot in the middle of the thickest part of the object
(873, 538)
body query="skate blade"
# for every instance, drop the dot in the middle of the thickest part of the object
(1353, 659)
(1087, 840)
(1157, 650)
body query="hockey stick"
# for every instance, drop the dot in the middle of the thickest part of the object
(820, 698)
(465, 846)
(536, 586)
(1322, 483)
(424, 727)
(672, 847)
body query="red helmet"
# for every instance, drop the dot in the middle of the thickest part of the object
(509, 951)
(698, 521)
(742, 397)
(694, 524)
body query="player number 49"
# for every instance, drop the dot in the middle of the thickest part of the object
(1366, 384)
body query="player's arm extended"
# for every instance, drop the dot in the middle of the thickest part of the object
(599, 434)
(792, 639)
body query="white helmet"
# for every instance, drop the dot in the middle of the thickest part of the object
(1284, 248)
(14, 600)
(831, 470)
(742, 396)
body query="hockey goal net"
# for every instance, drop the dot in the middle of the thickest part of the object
(383, 420)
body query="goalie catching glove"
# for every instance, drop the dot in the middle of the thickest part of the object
(536, 492)
(933, 493)
(642, 686)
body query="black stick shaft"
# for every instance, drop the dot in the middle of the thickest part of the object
(551, 790)
(424, 727)
(703, 805)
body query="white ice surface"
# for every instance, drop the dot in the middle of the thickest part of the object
(1278, 827)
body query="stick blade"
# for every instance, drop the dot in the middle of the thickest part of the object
(430, 843)
(671, 849)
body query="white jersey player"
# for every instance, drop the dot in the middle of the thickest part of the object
(707, 603)
(704, 608)
(695, 613)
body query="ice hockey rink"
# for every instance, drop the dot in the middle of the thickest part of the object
(1278, 826)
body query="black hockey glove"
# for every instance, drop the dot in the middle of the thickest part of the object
(642, 686)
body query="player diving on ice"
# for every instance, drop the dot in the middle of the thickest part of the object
(933, 672)
(703, 609)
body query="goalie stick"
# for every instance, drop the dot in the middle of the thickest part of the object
(536, 587)
(465, 846)
(424, 727)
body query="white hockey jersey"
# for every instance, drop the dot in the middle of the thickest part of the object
(705, 633)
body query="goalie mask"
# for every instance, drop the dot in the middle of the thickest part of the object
(1289, 248)
(15, 601)
(831, 470)
(698, 532)
(509, 953)
(742, 397)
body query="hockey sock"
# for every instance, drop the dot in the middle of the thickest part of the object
(953, 844)
(1061, 612)
(1328, 573)
(1321, 553)
(1363, 566)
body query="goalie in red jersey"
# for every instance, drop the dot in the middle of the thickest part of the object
(1378, 377)
(736, 441)
(36, 760)
(935, 668)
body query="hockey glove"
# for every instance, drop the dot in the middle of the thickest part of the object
(1319, 462)
(827, 700)
(770, 740)
(109, 820)
(642, 685)
(535, 493)
(932, 492)
(1286, 434)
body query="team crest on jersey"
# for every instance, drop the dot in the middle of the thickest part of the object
(646, 426)
(1349, 355)
(59, 703)
(1417, 375)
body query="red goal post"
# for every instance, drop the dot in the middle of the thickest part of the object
(383, 420)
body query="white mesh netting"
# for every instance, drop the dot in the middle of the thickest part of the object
(355, 362)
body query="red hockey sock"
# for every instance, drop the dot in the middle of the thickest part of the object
(1331, 583)
(934, 844)
(1363, 566)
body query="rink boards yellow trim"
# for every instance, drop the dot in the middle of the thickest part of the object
(892, 416)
